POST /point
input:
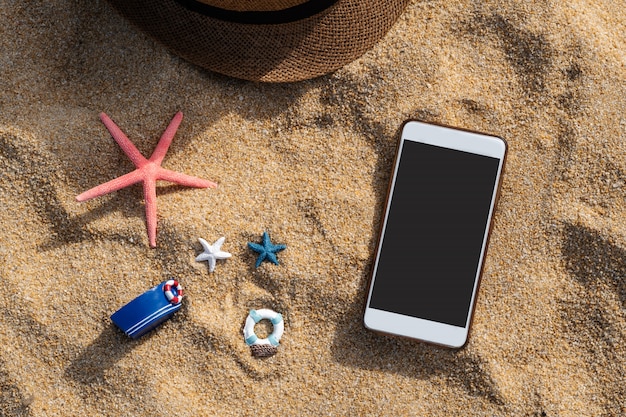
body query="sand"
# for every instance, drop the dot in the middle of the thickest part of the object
(309, 163)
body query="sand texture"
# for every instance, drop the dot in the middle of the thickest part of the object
(309, 163)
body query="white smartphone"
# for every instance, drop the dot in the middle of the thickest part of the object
(434, 233)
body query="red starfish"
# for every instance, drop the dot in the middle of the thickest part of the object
(148, 171)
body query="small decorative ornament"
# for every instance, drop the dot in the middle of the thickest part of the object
(148, 171)
(269, 345)
(212, 252)
(267, 250)
(150, 309)
(173, 291)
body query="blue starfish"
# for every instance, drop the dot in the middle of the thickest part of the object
(267, 251)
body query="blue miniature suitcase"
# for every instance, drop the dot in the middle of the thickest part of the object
(150, 309)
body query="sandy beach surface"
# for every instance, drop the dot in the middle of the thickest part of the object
(309, 163)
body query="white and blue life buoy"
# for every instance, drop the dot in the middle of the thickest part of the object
(269, 345)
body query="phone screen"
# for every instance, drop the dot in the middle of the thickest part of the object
(434, 233)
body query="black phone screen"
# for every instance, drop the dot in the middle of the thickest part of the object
(434, 234)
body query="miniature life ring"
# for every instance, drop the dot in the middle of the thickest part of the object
(167, 290)
(256, 316)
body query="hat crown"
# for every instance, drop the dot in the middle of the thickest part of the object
(253, 5)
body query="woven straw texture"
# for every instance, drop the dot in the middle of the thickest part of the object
(272, 53)
(259, 5)
(263, 351)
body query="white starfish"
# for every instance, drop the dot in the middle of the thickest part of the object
(212, 252)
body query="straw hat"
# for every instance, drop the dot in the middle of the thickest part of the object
(265, 40)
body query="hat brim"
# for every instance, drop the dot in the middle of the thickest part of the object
(281, 52)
